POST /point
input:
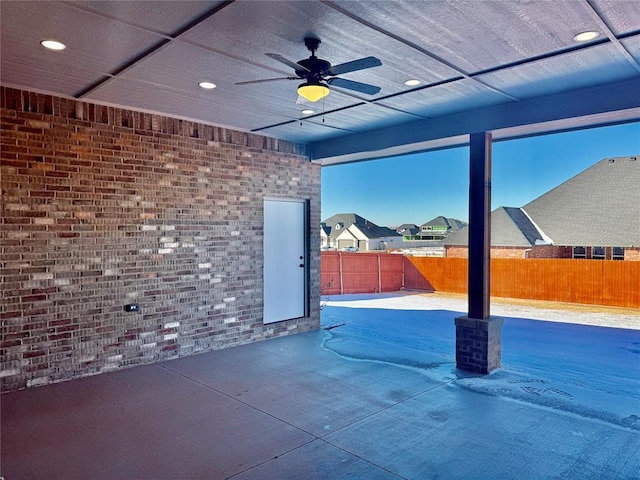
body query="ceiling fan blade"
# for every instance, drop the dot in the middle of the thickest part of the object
(248, 82)
(281, 59)
(354, 65)
(355, 86)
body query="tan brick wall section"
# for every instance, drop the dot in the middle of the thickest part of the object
(632, 254)
(103, 207)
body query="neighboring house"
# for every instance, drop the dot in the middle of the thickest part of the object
(439, 228)
(350, 230)
(595, 214)
(409, 231)
(427, 238)
(325, 231)
(333, 226)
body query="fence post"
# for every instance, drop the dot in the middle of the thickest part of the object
(340, 263)
(379, 276)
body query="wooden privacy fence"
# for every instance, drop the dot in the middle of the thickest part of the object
(598, 282)
(342, 272)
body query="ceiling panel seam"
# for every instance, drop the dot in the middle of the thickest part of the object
(418, 48)
(307, 119)
(498, 68)
(137, 26)
(376, 101)
(602, 23)
(328, 125)
(153, 50)
(537, 58)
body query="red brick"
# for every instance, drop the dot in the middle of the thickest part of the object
(93, 177)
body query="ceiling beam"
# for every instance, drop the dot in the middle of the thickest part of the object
(589, 107)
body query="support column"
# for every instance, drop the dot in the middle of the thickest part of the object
(478, 334)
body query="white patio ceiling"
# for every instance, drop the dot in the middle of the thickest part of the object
(509, 67)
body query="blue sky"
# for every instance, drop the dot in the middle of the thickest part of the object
(417, 188)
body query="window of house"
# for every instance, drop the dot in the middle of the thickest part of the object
(617, 253)
(579, 252)
(598, 253)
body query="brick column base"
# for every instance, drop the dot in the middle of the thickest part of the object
(478, 344)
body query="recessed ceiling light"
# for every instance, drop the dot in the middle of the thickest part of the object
(586, 36)
(307, 111)
(412, 83)
(207, 85)
(53, 45)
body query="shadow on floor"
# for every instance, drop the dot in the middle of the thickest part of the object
(375, 397)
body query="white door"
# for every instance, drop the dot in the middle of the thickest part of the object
(284, 260)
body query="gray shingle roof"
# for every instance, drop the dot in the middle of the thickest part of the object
(600, 206)
(456, 224)
(514, 228)
(453, 224)
(369, 229)
(346, 219)
(408, 229)
(509, 227)
(374, 231)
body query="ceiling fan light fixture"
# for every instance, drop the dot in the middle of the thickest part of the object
(313, 91)
(207, 85)
(412, 82)
(307, 111)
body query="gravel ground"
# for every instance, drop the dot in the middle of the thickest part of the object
(532, 309)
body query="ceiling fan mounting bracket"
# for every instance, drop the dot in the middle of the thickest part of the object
(312, 44)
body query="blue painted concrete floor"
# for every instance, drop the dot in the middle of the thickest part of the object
(373, 395)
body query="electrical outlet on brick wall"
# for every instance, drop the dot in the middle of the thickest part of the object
(132, 307)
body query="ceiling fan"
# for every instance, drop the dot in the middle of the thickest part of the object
(318, 74)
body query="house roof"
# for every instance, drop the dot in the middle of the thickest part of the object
(600, 206)
(437, 221)
(371, 231)
(452, 224)
(457, 224)
(346, 220)
(408, 229)
(510, 226)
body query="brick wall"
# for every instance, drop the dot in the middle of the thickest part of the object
(537, 251)
(550, 251)
(496, 252)
(508, 252)
(632, 254)
(103, 207)
(456, 252)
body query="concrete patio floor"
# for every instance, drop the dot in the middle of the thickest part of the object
(373, 395)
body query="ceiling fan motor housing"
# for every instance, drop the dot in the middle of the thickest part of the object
(316, 66)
